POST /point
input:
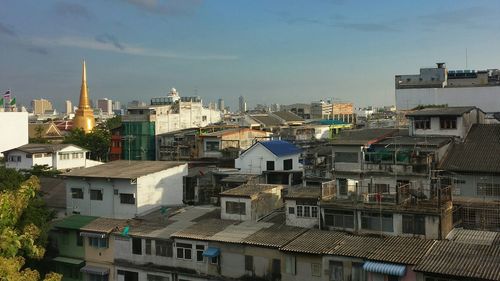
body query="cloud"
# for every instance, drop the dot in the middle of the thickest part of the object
(108, 38)
(5, 29)
(109, 46)
(72, 10)
(167, 7)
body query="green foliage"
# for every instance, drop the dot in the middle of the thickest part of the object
(97, 142)
(113, 123)
(19, 234)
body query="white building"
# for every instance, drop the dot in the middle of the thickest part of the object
(451, 87)
(242, 104)
(444, 121)
(14, 126)
(106, 105)
(55, 156)
(69, 107)
(269, 156)
(124, 189)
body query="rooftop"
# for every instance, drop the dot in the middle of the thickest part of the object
(74, 222)
(229, 131)
(249, 190)
(478, 152)
(363, 136)
(277, 235)
(303, 192)
(315, 241)
(442, 111)
(280, 148)
(43, 148)
(403, 250)
(288, 116)
(267, 120)
(122, 169)
(105, 225)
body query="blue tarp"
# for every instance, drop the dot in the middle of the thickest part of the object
(385, 268)
(281, 148)
(211, 252)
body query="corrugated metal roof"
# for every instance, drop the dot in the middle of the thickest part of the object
(104, 225)
(203, 230)
(462, 260)
(74, 222)
(267, 120)
(281, 148)
(274, 236)
(122, 169)
(288, 116)
(403, 250)
(442, 111)
(249, 190)
(478, 237)
(480, 152)
(356, 246)
(363, 136)
(43, 148)
(315, 241)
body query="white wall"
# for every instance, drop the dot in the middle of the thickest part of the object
(238, 217)
(74, 161)
(292, 219)
(24, 164)
(253, 161)
(486, 98)
(15, 128)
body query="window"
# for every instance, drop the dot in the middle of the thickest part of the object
(336, 271)
(341, 219)
(97, 277)
(235, 208)
(128, 275)
(64, 156)
(422, 123)
(414, 224)
(342, 186)
(346, 157)
(127, 198)
(357, 273)
(98, 242)
(287, 164)
(79, 239)
(163, 248)
(77, 193)
(291, 210)
(199, 252)
(290, 265)
(214, 260)
(148, 247)
(377, 221)
(96, 194)
(137, 246)
(16, 158)
(316, 269)
(488, 189)
(307, 211)
(212, 145)
(448, 122)
(40, 155)
(151, 277)
(248, 263)
(270, 165)
(184, 251)
(378, 188)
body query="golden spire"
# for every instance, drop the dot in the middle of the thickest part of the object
(84, 115)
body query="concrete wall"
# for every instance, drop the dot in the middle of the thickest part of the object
(15, 128)
(254, 160)
(466, 185)
(343, 166)
(101, 257)
(25, 164)
(486, 98)
(74, 161)
(303, 265)
(248, 208)
(292, 219)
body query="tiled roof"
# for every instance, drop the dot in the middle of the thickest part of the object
(280, 148)
(404, 250)
(288, 116)
(442, 111)
(274, 236)
(303, 192)
(480, 152)
(462, 260)
(122, 169)
(74, 222)
(249, 190)
(315, 241)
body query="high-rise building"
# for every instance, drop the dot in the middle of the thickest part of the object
(69, 107)
(40, 106)
(117, 105)
(84, 115)
(106, 105)
(220, 105)
(243, 104)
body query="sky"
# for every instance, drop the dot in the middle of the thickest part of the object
(269, 51)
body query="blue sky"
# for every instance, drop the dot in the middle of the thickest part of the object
(270, 51)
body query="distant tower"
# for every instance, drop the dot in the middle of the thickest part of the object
(243, 105)
(69, 107)
(84, 115)
(220, 105)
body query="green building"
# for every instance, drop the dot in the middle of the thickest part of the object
(71, 258)
(138, 133)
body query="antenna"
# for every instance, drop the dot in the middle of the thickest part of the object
(466, 62)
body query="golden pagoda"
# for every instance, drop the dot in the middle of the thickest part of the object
(84, 115)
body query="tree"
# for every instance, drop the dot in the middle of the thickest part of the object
(113, 123)
(97, 142)
(18, 235)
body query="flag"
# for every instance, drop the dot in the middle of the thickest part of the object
(13, 101)
(6, 95)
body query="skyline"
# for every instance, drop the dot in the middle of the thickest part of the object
(279, 52)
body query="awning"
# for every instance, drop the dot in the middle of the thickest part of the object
(211, 252)
(95, 270)
(68, 260)
(93, 234)
(385, 268)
